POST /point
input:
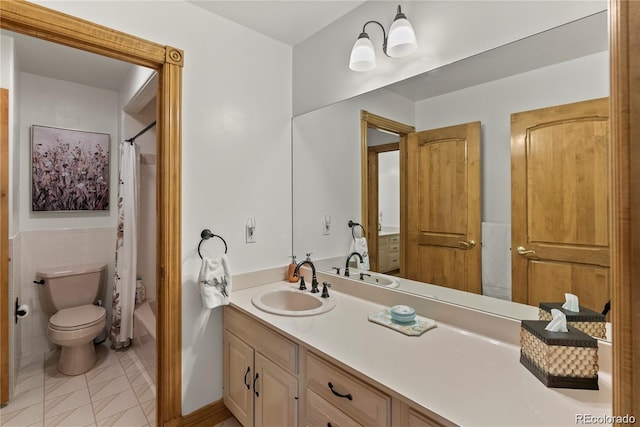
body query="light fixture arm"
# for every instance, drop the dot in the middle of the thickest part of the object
(384, 34)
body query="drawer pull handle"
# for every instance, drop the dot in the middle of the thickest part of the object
(245, 378)
(255, 390)
(346, 396)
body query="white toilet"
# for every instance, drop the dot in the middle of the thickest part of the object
(70, 293)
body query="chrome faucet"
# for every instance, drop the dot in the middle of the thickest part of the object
(346, 265)
(314, 280)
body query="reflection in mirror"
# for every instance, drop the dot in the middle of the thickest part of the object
(565, 65)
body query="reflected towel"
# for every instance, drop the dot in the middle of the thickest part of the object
(496, 260)
(215, 281)
(359, 244)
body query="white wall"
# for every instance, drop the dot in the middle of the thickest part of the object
(492, 103)
(447, 31)
(326, 170)
(236, 134)
(389, 189)
(56, 103)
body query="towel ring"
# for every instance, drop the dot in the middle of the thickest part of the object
(206, 234)
(353, 226)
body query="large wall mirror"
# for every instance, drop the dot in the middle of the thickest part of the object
(346, 166)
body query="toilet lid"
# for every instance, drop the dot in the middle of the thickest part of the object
(77, 317)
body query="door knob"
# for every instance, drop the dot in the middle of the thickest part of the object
(468, 244)
(524, 251)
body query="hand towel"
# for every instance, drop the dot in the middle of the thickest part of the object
(215, 281)
(359, 244)
(496, 260)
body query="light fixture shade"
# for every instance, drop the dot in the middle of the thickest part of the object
(363, 57)
(402, 38)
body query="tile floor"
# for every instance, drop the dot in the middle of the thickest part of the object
(117, 391)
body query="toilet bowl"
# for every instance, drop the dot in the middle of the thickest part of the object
(74, 329)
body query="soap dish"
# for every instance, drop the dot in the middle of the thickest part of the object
(402, 313)
(415, 327)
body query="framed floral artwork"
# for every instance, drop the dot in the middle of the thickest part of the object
(69, 170)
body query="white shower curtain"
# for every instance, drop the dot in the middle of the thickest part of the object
(124, 284)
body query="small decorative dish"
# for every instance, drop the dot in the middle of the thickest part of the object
(402, 313)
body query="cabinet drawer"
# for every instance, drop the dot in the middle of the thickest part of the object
(366, 404)
(394, 247)
(395, 238)
(321, 413)
(279, 349)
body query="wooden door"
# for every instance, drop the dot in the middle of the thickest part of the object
(560, 204)
(443, 207)
(4, 245)
(239, 373)
(275, 394)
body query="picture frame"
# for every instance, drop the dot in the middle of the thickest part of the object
(69, 170)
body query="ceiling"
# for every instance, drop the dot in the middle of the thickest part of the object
(290, 22)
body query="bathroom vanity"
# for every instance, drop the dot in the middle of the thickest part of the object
(338, 368)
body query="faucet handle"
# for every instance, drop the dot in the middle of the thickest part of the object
(325, 291)
(309, 256)
(303, 286)
(364, 274)
(337, 269)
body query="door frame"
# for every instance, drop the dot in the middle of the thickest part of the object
(624, 43)
(4, 248)
(373, 210)
(43, 23)
(370, 216)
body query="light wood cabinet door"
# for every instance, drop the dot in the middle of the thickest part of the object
(238, 377)
(275, 395)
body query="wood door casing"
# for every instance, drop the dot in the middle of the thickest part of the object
(4, 250)
(443, 220)
(560, 203)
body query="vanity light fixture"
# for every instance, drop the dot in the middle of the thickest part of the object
(401, 42)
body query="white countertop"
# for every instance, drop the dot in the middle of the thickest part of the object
(464, 377)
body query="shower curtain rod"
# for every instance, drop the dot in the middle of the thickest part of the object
(141, 132)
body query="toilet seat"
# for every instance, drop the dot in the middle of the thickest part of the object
(74, 318)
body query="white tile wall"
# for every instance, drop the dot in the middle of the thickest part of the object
(56, 248)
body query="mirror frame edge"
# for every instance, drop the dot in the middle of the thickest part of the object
(47, 24)
(625, 200)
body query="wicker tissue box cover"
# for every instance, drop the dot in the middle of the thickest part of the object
(588, 321)
(559, 359)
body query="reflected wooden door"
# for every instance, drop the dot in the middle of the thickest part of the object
(4, 245)
(560, 204)
(443, 215)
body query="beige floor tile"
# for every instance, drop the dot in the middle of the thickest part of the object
(29, 383)
(81, 416)
(100, 374)
(26, 398)
(115, 404)
(104, 389)
(106, 356)
(66, 402)
(11, 416)
(64, 384)
(130, 417)
(145, 392)
(149, 409)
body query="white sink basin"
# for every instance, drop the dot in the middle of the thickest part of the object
(292, 302)
(376, 279)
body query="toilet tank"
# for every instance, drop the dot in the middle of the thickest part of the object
(72, 286)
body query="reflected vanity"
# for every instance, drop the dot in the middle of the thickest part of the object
(543, 70)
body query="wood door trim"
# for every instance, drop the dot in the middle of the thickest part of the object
(369, 211)
(4, 249)
(57, 27)
(625, 203)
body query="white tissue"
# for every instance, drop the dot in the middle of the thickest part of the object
(571, 303)
(24, 308)
(558, 323)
